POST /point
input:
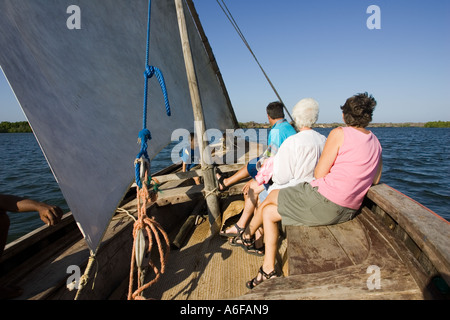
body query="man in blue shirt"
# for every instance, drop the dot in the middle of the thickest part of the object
(280, 131)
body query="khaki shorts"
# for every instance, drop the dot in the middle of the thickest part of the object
(303, 205)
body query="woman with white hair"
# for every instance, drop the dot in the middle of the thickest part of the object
(350, 163)
(296, 160)
(294, 163)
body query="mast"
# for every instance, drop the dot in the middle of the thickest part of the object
(208, 173)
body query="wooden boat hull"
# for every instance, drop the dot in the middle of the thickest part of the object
(405, 241)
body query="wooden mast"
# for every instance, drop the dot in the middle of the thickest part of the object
(208, 173)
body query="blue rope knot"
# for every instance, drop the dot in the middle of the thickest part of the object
(142, 157)
(144, 136)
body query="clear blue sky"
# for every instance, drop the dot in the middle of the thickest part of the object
(323, 49)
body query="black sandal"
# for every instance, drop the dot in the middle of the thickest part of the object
(254, 282)
(220, 180)
(240, 230)
(248, 244)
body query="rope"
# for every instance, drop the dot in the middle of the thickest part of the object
(241, 35)
(143, 223)
(145, 134)
(84, 279)
(154, 231)
(213, 191)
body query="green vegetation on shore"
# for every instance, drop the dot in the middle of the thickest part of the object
(433, 124)
(24, 127)
(437, 124)
(15, 127)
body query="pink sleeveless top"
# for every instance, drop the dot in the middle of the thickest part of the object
(354, 169)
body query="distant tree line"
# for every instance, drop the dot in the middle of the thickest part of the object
(24, 126)
(437, 124)
(15, 127)
(432, 124)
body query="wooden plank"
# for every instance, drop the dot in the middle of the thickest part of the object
(179, 195)
(430, 232)
(17, 246)
(35, 248)
(49, 280)
(174, 196)
(187, 227)
(406, 256)
(313, 249)
(188, 193)
(318, 249)
(352, 238)
(194, 173)
(349, 282)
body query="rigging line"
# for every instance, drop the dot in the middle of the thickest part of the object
(241, 35)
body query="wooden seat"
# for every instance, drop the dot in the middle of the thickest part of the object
(332, 262)
(325, 248)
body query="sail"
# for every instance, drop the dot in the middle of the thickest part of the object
(81, 89)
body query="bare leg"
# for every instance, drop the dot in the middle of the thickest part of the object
(268, 213)
(271, 217)
(251, 192)
(257, 220)
(238, 176)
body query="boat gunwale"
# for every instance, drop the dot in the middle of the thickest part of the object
(425, 233)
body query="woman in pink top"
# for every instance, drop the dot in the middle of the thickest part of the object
(349, 165)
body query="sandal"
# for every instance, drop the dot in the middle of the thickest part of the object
(240, 230)
(221, 180)
(248, 244)
(254, 282)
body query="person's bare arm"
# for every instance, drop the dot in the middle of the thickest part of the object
(330, 152)
(49, 214)
(377, 178)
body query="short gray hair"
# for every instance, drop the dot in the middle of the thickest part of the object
(306, 113)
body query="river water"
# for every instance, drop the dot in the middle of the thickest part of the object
(416, 163)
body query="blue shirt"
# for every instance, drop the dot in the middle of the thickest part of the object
(189, 157)
(279, 132)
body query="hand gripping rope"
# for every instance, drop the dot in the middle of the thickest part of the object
(144, 181)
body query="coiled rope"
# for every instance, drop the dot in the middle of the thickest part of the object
(144, 183)
(154, 231)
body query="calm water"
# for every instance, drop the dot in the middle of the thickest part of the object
(416, 162)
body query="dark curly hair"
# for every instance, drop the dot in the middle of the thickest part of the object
(358, 110)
